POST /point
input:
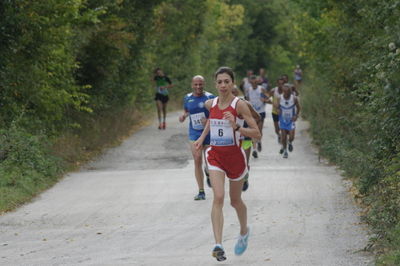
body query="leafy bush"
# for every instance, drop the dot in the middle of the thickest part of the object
(26, 166)
(352, 53)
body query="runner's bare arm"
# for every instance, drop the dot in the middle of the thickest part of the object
(265, 98)
(183, 116)
(271, 92)
(277, 105)
(253, 112)
(297, 103)
(252, 131)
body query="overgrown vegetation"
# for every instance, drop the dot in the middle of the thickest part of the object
(351, 50)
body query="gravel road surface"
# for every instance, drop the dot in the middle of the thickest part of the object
(134, 206)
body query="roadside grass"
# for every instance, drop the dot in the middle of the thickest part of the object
(77, 147)
(30, 164)
(26, 167)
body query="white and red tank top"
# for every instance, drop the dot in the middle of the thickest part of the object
(222, 135)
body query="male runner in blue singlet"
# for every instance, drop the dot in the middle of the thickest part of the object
(198, 114)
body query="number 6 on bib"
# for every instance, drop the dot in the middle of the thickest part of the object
(221, 133)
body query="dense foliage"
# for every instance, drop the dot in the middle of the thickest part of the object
(352, 53)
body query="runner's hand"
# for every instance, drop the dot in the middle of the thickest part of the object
(294, 118)
(229, 116)
(182, 118)
(198, 144)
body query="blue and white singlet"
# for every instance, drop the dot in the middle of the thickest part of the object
(197, 112)
(288, 111)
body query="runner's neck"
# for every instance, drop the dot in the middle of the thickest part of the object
(198, 95)
(225, 101)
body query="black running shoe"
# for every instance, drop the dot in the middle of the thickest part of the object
(255, 154)
(219, 254)
(281, 151)
(206, 171)
(208, 182)
(207, 176)
(285, 155)
(290, 147)
(246, 182)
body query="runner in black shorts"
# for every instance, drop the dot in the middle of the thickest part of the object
(162, 83)
(161, 97)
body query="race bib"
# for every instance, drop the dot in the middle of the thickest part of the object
(287, 115)
(197, 120)
(221, 133)
(258, 107)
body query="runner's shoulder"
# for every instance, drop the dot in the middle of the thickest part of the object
(209, 102)
(168, 79)
(209, 95)
(242, 102)
(188, 96)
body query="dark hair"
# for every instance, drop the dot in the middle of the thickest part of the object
(226, 70)
(155, 70)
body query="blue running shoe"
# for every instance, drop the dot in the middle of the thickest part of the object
(245, 185)
(241, 244)
(200, 196)
(208, 182)
(219, 253)
(285, 155)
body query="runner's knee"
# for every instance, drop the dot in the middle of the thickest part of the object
(236, 203)
(218, 199)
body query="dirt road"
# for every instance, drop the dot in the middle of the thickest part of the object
(134, 206)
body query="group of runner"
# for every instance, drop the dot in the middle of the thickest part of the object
(223, 129)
